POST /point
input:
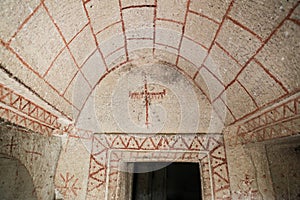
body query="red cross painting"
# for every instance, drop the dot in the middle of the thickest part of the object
(146, 95)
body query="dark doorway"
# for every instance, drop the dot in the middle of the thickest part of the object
(177, 181)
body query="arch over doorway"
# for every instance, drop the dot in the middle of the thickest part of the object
(16, 181)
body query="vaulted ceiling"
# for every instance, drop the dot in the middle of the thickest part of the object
(242, 55)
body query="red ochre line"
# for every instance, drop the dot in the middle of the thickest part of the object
(109, 26)
(154, 26)
(264, 106)
(245, 28)
(216, 34)
(192, 78)
(281, 23)
(114, 51)
(204, 16)
(216, 77)
(123, 30)
(139, 38)
(69, 84)
(84, 62)
(52, 63)
(234, 118)
(189, 76)
(102, 77)
(169, 20)
(296, 21)
(150, 95)
(20, 98)
(24, 22)
(146, 95)
(187, 60)
(65, 42)
(147, 104)
(86, 1)
(181, 56)
(271, 75)
(33, 152)
(138, 6)
(165, 45)
(183, 28)
(252, 98)
(38, 75)
(221, 24)
(228, 54)
(94, 35)
(189, 38)
(260, 48)
(60, 52)
(269, 111)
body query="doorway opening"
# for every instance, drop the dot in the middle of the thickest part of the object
(15, 182)
(177, 181)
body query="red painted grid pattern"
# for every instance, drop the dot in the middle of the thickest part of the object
(253, 59)
(159, 146)
(187, 11)
(8, 47)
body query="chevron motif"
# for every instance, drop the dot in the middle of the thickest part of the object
(17, 119)
(27, 107)
(277, 122)
(109, 150)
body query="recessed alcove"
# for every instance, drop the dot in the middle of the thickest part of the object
(16, 182)
(284, 161)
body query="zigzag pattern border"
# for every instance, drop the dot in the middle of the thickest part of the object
(17, 119)
(280, 121)
(160, 145)
(27, 107)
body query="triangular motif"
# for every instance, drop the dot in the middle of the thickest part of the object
(148, 144)
(219, 153)
(289, 109)
(180, 144)
(5, 98)
(189, 139)
(156, 141)
(219, 182)
(4, 113)
(15, 100)
(109, 139)
(203, 141)
(262, 120)
(212, 144)
(99, 144)
(132, 143)
(97, 171)
(164, 143)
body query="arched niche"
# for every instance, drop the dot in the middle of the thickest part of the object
(16, 182)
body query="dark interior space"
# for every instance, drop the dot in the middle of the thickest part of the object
(284, 162)
(177, 181)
